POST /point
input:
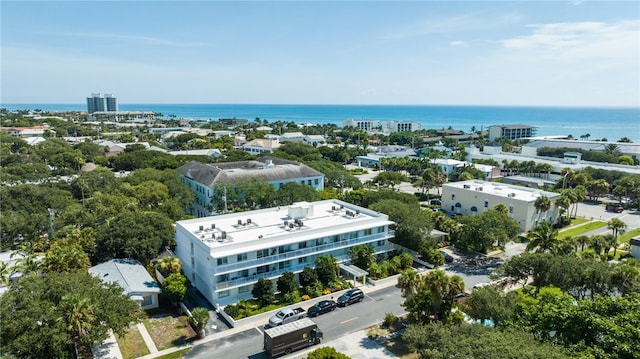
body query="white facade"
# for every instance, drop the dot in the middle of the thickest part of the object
(375, 126)
(473, 197)
(224, 256)
(260, 146)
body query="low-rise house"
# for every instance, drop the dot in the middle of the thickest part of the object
(133, 277)
(474, 197)
(314, 140)
(292, 137)
(260, 146)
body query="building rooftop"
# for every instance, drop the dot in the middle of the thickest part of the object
(513, 126)
(269, 168)
(503, 190)
(130, 274)
(246, 231)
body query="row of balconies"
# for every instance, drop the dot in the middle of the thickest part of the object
(304, 252)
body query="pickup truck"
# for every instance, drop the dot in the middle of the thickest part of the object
(614, 207)
(287, 315)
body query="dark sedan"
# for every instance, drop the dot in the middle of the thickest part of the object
(323, 306)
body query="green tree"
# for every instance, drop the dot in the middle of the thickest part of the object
(175, 287)
(263, 292)
(429, 297)
(200, 318)
(542, 205)
(292, 192)
(136, 235)
(362, 256)
(169, 265)
(287, 283)
(66, 256)
(326, 353)
(544, 237)
(490, 302)
(308, 276)
(485, 230)
(44, 316)
(327, 269)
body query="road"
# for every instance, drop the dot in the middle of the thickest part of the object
(248, 344)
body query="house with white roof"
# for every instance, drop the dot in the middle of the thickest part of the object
(292, 137)
(474, 197)
(224, 256)
(314, 140)
(133, 277)
(260, 146)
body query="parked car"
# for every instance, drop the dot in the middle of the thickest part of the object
(461, 296)
(323, 306)
(614, 207)
(351, 296)
(447, 257)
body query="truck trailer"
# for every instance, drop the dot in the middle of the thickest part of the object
(289, 337)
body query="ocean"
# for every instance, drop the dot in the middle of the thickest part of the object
(599, 123)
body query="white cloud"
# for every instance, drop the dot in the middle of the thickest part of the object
(458, 43)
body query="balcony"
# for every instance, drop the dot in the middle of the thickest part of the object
(305, 252)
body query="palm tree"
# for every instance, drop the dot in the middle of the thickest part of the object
(583, 241)
(200, 318)
(5, 272)
(169, 265)
(617, 226)
(612, 149)
(409, 283)
(567, 246)
(563, 202)
(440, 290)
(542, 205)
(79, 315)
(598, 243)
(543, 238)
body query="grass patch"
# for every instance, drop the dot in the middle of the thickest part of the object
(175, 355)
(132, 345)
(169, 331)
(578, 221)
(626, 236)
(576, 231)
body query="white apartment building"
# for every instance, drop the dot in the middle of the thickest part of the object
(375, 126)
(224, 256)
(473, 197)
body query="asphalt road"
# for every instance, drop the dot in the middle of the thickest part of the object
(248, 344)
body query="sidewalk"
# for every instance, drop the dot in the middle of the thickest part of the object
(352, 343)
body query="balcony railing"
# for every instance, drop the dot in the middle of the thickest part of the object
(298, 267)
(304, 252)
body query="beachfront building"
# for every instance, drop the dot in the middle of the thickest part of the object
(474, 197)
(98, 103)
(375, 126)
(26, 132)
(224, 256)
(372, 160)
(203, 177)
(512, 132)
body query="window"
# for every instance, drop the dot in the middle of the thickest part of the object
(244, 289)
(336, 238)
(453, 196)
(284, 249)
(245, 273)
(146, 300)
(380, 229)
(242, 257)
(316, 181)
(367, 232)
(222, 261)
(302, 182)
(381, 243)
(263, 269)
(285, 264)
(302, 260)
(191, 247)
(222, 294)
(486, 204)
(309, 182)
(223, 278)
(302, 245)
(510, 209)
(262, 253)
(319, 242)
(353, 235)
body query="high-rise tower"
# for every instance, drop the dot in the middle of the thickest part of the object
(97, 103)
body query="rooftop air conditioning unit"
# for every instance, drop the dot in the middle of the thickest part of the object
(201, 228)
(224, 235)
(239, 222)
(213, 226)
(249, 221)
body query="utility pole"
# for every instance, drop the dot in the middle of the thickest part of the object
(51, 214)
(224, 197)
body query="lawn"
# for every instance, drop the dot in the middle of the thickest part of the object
(175, 355)
(169, 331)
(625, 237)
(576, 231)
(132, 345)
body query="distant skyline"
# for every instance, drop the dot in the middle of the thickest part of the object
(504, 53)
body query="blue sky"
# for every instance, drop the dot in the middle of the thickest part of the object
(542, 53)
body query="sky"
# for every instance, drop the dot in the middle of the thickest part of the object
(512, 53)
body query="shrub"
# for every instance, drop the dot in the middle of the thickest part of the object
(326, 291)
(306, 297)
(232, 310)
(390, 321)
(292, 297)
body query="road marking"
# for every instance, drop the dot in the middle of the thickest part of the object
(348, 320)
